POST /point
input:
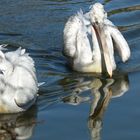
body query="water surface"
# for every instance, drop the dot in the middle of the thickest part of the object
(72, 106)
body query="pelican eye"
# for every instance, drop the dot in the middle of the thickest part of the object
(2, 72)
(96, 22)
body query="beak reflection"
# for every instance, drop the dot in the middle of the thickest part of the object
(101, 92)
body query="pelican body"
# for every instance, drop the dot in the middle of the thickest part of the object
(18, 82)
(89, 41)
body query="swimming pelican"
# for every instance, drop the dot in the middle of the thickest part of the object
(89, 41)
(18, 82)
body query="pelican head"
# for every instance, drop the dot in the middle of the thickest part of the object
(90, 39)
(97, 13)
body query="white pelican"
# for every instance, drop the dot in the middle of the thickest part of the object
(18, 82)
(89, 41)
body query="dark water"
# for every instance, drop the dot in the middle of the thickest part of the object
(72, 106)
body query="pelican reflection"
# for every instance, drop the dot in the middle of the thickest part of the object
(102, 91)
(18, 126)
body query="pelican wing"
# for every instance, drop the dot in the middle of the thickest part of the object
(83, 48)
(73, 25)
(24, 98)
(120, 42)
(70, 31)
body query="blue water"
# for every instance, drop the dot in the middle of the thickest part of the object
(72, 106)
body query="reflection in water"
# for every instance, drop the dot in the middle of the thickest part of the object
(17, 126)
(102, 90)
(38, 26)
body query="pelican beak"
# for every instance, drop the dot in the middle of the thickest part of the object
(104, 43)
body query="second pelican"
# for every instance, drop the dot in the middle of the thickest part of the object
(89, 41)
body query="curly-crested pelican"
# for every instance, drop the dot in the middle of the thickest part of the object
(89, 41)
(18, 81)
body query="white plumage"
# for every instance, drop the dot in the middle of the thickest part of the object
(18, 82)
(89, 41)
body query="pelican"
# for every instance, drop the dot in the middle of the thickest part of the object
(89, 41)
(18, 82)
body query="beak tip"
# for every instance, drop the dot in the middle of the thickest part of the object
(110, 74)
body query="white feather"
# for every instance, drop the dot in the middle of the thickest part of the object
(20, 87)
(120, 43)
